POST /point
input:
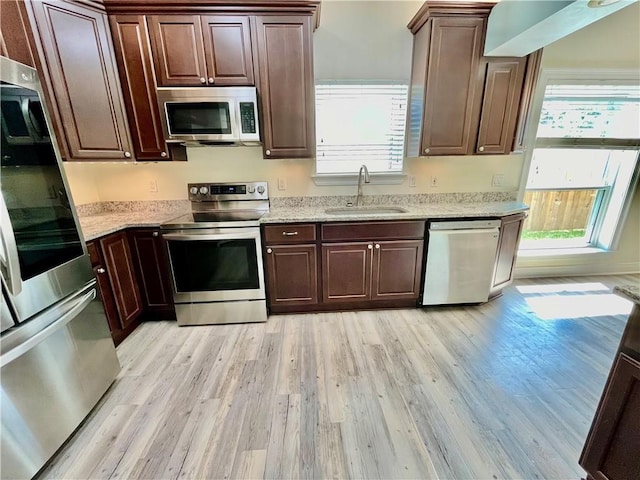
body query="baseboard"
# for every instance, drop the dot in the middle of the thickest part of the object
(532, 271)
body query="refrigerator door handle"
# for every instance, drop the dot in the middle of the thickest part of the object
(9, 260)
(43, 334)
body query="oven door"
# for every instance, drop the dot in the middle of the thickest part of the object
(216, 264)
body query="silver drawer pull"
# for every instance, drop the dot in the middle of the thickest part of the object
(289, 234)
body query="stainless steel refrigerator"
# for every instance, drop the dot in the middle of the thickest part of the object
(56, 352)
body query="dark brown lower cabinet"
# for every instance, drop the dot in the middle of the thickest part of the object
(397, 266)
(510, 231)
(612, 448)
(292, 276)
(118, 284)
(346, 272)
(152, 266)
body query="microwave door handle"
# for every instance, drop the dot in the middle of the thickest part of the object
(9, 261)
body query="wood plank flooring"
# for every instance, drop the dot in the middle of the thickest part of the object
(503, 390)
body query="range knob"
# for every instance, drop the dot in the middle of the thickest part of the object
(193, 190)
(252, 189)
(204, 190)
(260, 189)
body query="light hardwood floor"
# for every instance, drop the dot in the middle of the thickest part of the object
(503, 390)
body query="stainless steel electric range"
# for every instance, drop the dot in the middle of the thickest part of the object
(215, 254)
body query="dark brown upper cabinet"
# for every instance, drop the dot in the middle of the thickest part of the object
(79, 69)
(194, 50)
(502, 91)
(461, 102)
(14, 33)
(135, 67)
(285, 85)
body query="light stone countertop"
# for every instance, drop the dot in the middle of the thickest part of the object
(281, 214)
(97, 220)
(94, 226)
(630, 292)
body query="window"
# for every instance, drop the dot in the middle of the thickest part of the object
(360, 124)
(583, 165)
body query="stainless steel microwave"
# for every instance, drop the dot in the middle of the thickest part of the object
(211, 114)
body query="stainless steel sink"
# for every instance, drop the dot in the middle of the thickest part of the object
(366, 210)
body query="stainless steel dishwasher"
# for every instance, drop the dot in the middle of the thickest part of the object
(460, 261)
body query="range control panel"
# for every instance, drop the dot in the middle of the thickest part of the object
(202, 192)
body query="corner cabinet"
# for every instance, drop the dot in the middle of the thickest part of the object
(291, 264)
(510, 232)
(462, 103)
(151, 263)
(285, 85)
(79, 70)
(117, 281)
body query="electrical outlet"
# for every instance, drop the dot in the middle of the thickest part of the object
(153, 186)
(282, 183)
(434, 181)
(412, 180)
(497, 180)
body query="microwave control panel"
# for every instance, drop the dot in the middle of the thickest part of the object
(247, 117)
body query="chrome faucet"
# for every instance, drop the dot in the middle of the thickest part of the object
(364, 169)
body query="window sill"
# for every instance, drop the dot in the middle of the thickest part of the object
(560, 252)
(352, 178)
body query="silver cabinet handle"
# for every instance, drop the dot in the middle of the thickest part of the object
(268, 152)
(481, 149)
(289, 234)
(127, 154)
(370, 247)
(377, 246)
(211, 80)
(427, 150)
(203, 80)
(100, 270)
(155, 234)
(269, 250)
(163, 154)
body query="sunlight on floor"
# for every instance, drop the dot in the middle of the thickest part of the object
(589, 300)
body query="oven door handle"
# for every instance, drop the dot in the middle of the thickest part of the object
(189, 237)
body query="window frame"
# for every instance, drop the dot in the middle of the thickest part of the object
(351, 178)
(587, 76)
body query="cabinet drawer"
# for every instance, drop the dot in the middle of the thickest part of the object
(290, 233)
(372, 230)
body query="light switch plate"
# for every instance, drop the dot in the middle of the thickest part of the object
(282, 183)
(497, 180)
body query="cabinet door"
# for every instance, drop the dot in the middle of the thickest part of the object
(502, 91)
(152, 265)
(286, 91)
(178, 50)
(529, 85)
(79, 60)
(120, 270)
(14, 33)
(397, 267)
(292, 275)
(346, 272)
(227, 43)
(612, 447)
(454, 86)
(510, 231)
(136, 76)
(105, 290)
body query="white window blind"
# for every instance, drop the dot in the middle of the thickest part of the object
(590, 111)
(360, 124)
